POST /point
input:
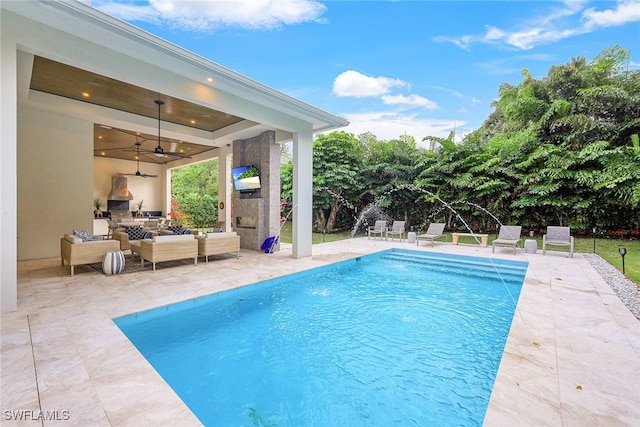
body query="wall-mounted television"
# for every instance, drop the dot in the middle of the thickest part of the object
(246, 179)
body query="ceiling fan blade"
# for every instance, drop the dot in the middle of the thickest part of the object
(138, 174)
(177, 155)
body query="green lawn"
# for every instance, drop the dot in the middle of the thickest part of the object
(606, 248)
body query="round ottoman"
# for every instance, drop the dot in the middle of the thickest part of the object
(113, 262)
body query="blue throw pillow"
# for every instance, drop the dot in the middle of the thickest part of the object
(148, 235)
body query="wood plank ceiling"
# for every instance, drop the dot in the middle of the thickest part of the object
(70, 82)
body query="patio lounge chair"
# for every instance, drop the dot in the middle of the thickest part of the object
(557, 236)
(397, 229)
(509, 236)
(434, 231)
(379, 228)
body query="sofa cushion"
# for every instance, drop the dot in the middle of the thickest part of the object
(221, 235)
(73, 239)
(135, 232)
(84, 235)
(168, 238)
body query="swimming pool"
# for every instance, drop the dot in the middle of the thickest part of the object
(398, 337)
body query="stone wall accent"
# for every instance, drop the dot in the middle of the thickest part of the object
(263, 204)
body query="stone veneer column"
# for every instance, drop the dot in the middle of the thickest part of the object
(263, 204)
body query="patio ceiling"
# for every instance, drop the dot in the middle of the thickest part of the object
(81, 85)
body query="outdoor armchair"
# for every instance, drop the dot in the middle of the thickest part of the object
(557, 236)
(397, 229)
(379, 228)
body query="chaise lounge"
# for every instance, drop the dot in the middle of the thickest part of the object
(435, 230)
(509, 235)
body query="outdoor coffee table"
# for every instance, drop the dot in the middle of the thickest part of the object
(484, 238)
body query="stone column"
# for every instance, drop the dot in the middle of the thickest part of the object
(262, 204)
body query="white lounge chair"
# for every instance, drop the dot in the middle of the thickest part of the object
(434, 231)
(509, 235)
(557, 236)
(379, 228)
(397, 229)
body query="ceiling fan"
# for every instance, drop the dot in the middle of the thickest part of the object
(159, 151)
(142, 175)
(156, 155)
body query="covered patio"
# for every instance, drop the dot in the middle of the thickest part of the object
(50, 115)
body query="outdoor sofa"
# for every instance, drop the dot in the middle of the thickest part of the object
(168, 247)
(218, 243)
(75, 251)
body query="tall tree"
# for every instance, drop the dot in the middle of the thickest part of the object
(336, 175)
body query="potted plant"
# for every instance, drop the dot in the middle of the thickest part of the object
(139, 213)
(97, 212)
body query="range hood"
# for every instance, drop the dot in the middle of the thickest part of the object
(119, 190)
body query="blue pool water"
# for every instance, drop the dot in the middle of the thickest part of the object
(399, 337)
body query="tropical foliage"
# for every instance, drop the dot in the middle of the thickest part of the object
(194, 194)
(560, 150)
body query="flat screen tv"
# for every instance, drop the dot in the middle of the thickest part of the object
(246, 179)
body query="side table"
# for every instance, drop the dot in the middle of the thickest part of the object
(530, 246)
(411, 237)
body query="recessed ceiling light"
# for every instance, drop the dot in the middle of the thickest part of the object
(193, 122)
(209, 79)
(85, 94)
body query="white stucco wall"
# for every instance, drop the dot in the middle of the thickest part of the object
(55, 180)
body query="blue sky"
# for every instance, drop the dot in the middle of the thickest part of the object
(390, 67)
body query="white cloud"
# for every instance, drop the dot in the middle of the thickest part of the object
(625, 11)
(358, 85)
(475, 100)
(208, 15)
(387, 126)
(412, 100)
(554, 24)
(533, 37)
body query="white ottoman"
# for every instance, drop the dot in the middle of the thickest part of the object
(113, 262)
(530, 246)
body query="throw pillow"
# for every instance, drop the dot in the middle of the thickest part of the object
(135, 232)
(84, 235)
(148, 235)
(176, 229)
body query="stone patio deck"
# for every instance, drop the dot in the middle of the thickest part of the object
(572, 357)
